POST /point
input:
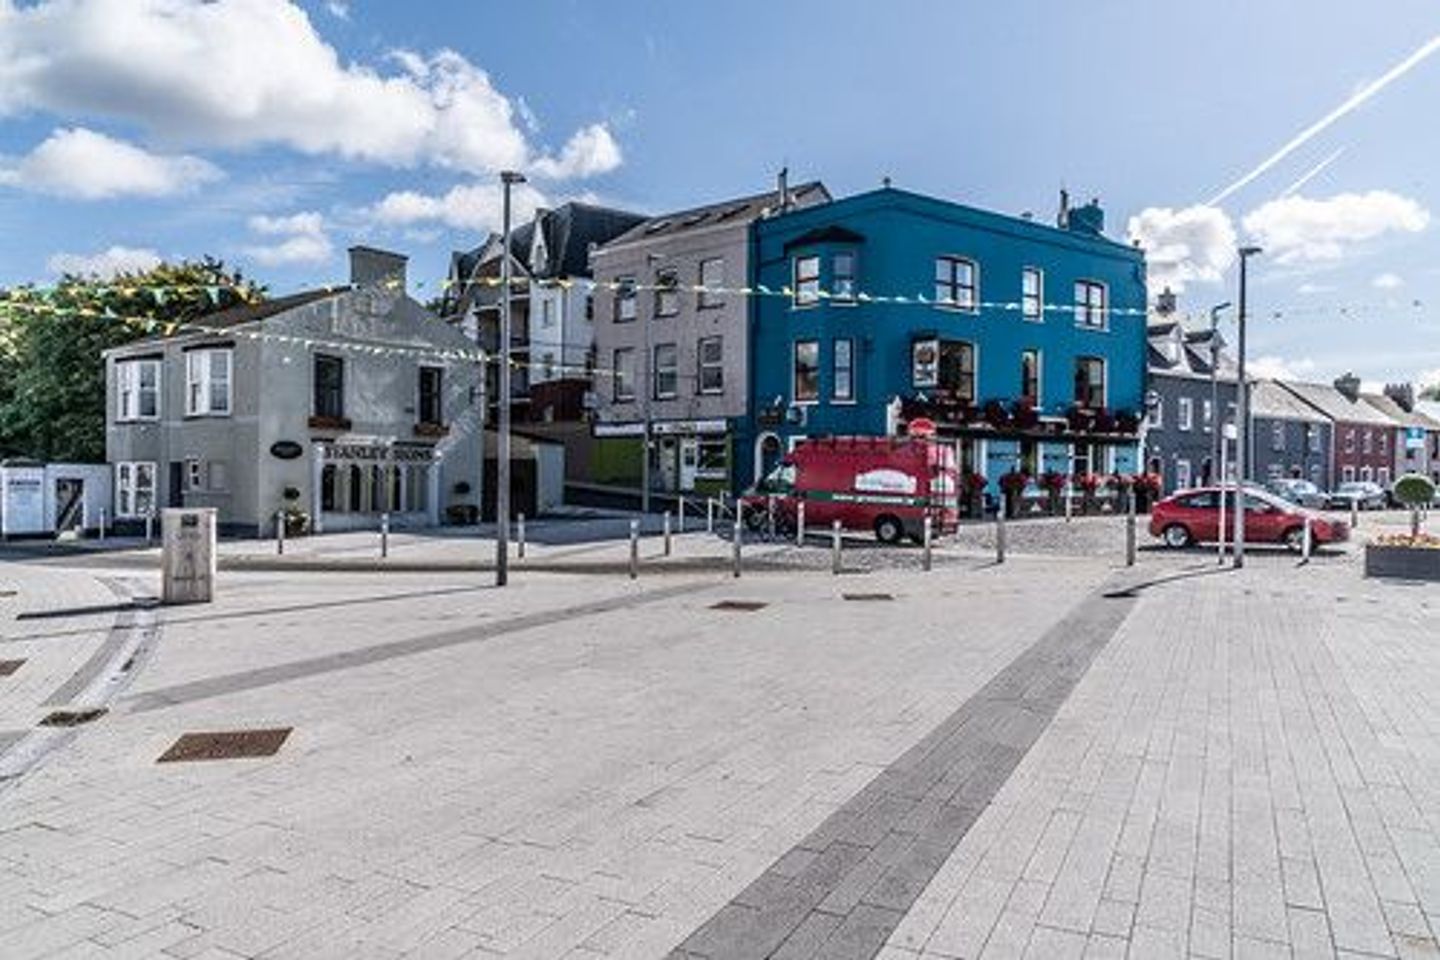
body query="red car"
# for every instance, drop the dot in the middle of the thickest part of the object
(1193, 516)
(885, 484)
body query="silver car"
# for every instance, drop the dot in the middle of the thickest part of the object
(1297, 491)
(1362, 493)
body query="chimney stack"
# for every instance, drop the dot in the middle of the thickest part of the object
(1349, 385)
(369, 266)
(1403, 394)
(782, 187)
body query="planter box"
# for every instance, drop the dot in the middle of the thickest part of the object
(1404, 563)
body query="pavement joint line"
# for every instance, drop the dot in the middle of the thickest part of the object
(877, 852)
(211, 687)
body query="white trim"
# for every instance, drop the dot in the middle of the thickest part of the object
(199, 401)
(128, 377)
(956, 306)
(1039, 293)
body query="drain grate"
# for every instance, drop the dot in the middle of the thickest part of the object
(225, 745)
(8, 667)
(739, 606)
(868, 596)
(72, 718)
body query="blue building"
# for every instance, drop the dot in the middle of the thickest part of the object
(1024, 343)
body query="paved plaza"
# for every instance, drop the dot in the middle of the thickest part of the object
(1059, 756)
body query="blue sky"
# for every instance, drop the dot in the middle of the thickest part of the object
(275, 135)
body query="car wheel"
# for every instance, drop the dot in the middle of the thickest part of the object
(754, 519)
(1294, 539)
(889, 529)
(1175, 536)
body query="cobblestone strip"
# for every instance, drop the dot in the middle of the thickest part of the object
(844, 889)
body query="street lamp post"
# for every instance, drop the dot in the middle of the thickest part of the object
(502, 452)
(1215, 417)
(1242, 417)
(651, 259)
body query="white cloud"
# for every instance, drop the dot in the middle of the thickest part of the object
(255, 72)
(589, 152)
(476, 206)
(1387, 281)
(1297, 229)
(1308, 288)
(339, 10)
(300, 239)
(77, 162)
(104, 264)
(1194, 244)
(1278, 368)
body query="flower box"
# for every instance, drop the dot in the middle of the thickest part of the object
(1420, 561)
(329, 423)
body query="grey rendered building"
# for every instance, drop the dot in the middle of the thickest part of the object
(673, 356)
(342, 402)
(1186, 405)
(1289, 438)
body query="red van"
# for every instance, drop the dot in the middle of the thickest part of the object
(885, 484)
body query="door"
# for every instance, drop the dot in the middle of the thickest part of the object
(669, 462)
(175, 494)
(689, 462)
(69, 504)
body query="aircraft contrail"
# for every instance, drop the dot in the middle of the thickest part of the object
(1312, 173)
(1365, 93)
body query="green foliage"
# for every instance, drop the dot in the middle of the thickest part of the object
(1431, 392)
(52, 375)
(1414, 490)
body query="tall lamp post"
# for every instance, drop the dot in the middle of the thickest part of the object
(502, 452)
(1242, 417)
(651, 259)
(1215, 418)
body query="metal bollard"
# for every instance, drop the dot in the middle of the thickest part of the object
(835, 546)
(735, 544)
(666, 522)
(1354, 513)
(1069, 503)
(280, 533)
(926, 544)
(384, 535)
(634, 549)
(680, 517)
(770, 517)
(800, 524)
(149, 527)
(1130, 530)
(709, 514)
(520, 535)
(1307, 542)
(1000, 534)
(102, 524)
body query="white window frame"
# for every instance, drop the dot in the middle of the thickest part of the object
(953, 262)
(194, 475)
(712, 296)
(627, 299)
(1037, 315)
(1207, 416)
(128, 488)
(836, 394)
(807, 291)
(1085, 308)
(623, 377)
(1039, 397)
(1157, 414)
(717, 365)
(1184, 478)
(1277, 435)
(672, 369)
(667, 293)
(1184, 414)
(1367, 474)
(200, 381)
(130, 390)
(1347, 474)
(795, 397)
(843, 294)
(1104, 380)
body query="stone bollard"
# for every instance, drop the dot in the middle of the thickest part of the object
(1354, 513)
(925, 544)
(666, 522)
(634, 549)
(1000, 534)
(1130, 529)
(149, 527)
(735, 543)
(279, 533)
(835, 547)
(800, 524)
(384, 535)
(102, 524)
(520, 535)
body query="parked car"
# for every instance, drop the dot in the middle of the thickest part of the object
(1193, 516)
(867, 483)
(1364, 494)
(1298, 491)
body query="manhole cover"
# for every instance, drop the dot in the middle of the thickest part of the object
(72, 718)
(744, 606)
(868, 596)
(225, 745)
(8, 667)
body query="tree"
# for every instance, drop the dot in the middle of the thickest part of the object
(1414, 490)
(1431, 392)
(52, 375)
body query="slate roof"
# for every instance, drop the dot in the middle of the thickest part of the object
(249, 312)
(736, 210)
(1193, 357)
(1269, 400)
(1397, 413)
(1335, 405)
(569, 231)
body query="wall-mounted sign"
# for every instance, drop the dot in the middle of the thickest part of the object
(1414, 438)
(921, 427)
(286, 450)
(925, 363)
